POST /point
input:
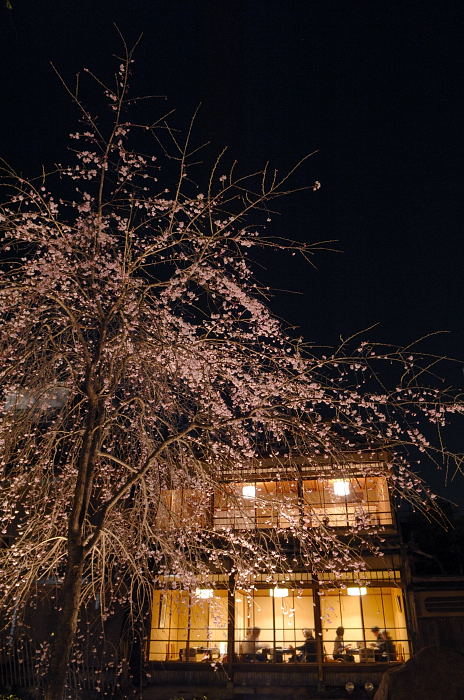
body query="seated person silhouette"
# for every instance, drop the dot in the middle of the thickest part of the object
(307, 649)
(248, 648)
(384, 648)
(341, 650)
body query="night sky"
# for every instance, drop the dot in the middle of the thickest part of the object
(374, 87)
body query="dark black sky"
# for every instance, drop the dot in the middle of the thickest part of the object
(375, 87)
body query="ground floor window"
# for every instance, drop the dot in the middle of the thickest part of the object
(189, 626)
(269, 623)
(291, 622)
(373, 622)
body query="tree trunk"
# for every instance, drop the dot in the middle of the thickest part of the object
(66, 623)
(66, 626)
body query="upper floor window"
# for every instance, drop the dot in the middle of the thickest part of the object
(331, 502)
(261, 504)
(178, 507)
(346, 502)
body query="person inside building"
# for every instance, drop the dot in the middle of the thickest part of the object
(341, 651)
(249, 647)
(308, 648)
(384, 647)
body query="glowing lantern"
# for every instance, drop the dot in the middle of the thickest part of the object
(204, 593)
(249, 491)
(341, 487)
(278, 592)
(356, 591)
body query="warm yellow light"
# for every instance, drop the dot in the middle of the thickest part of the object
(278, 592)
(204, 593)
(341, 487)
(249, 491)
(356, 590)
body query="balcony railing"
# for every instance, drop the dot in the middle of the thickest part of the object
(356, 502)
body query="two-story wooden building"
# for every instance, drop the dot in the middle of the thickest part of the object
(223, 639)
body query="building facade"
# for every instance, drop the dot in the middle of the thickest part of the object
(294, 629)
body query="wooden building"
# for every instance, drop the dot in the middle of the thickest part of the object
(199, 641)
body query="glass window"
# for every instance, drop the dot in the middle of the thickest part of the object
(361, 623)
(178, 507)
(189, 627)
(261, 504)
(274, 504)
(169, 626)
(356, 614)
(268, 622)
(347, 502)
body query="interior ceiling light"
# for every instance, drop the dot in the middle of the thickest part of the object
(278, 592)
(204, 593)
(356, 590)
(249, 491)
(341, 487)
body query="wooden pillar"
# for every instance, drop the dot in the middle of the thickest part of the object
(300, 493)
(318, 630)
(189, 618)
(230, 624)
(274, 658)
(361, 610)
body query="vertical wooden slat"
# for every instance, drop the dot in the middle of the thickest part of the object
(318, 630)
(230, 624)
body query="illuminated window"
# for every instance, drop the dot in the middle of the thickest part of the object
(274, 627)
(358, 613)
(188, 628)
(280, 620)
(354, 502)
(178, 507)
(264, 504)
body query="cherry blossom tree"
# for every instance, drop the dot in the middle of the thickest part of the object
(139, 354)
